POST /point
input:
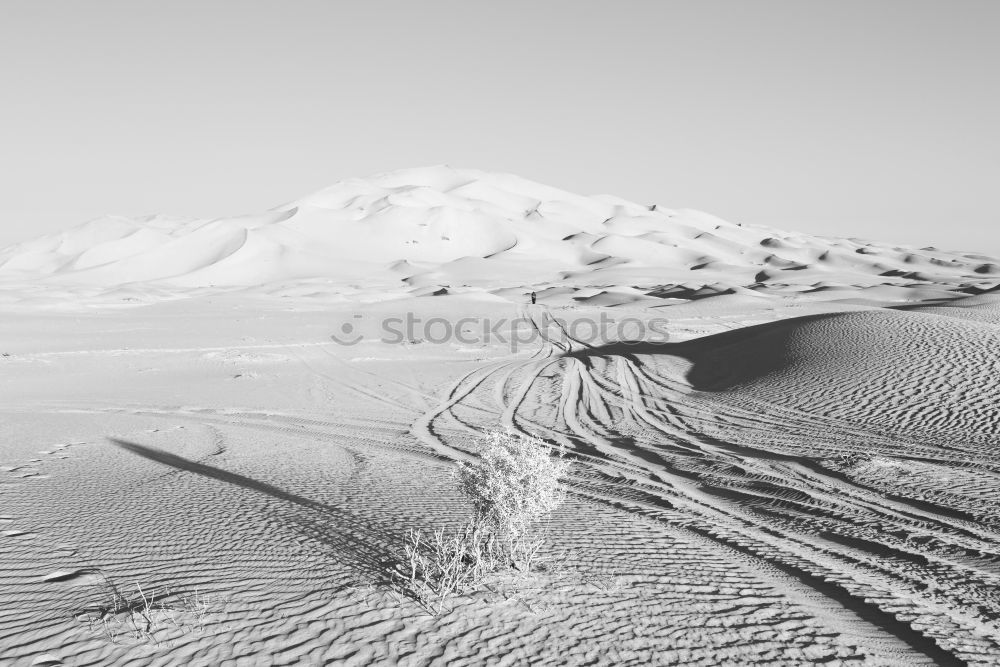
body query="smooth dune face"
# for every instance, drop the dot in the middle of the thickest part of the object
(783, 448)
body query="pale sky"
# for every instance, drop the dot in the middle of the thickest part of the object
(866, 118)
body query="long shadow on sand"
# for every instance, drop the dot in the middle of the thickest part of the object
(357, 541)
(181, 463)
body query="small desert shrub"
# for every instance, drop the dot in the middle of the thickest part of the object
(514, 483)
(437, 566)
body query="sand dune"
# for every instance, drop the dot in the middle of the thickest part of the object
(787, 457)
(904, 371)
(440, 224)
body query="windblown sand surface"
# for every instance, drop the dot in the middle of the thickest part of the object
(796, 465)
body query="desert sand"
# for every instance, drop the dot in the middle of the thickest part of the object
(783, 447)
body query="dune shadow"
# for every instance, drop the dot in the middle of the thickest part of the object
(358, 541)
(718, 360)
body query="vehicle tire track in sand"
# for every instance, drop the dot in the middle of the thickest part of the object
(629, 420)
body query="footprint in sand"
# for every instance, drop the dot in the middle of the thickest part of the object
(18, 533)
(81, 577)
(29, 469)
(56, 450)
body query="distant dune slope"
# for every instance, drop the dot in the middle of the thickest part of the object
(462, 227)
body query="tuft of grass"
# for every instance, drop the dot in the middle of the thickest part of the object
(127, 614)
(436, 567)
(137, 615)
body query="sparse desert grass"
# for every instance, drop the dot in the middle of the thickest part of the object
(437, 566)
(513, 485)
(135, 615)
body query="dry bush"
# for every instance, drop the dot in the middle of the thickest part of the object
(515, 483)
(436, 566)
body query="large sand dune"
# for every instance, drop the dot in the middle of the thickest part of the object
(796, 465)
(468, 229)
